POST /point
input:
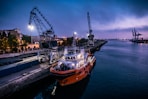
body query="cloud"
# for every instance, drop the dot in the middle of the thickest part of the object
(123, 22)
(67, 16)
(137, 7)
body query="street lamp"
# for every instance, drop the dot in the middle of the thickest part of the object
(31, 27)
(87, 34)
(75, 33)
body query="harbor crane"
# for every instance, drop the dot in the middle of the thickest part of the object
(135, 34)
(46, 33)
(44, 28)
(90, 35)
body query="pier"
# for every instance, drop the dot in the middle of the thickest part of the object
(22, 75)
(98, 44)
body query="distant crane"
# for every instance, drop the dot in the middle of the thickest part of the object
(135, 34)
(90, 35)
(44, 28)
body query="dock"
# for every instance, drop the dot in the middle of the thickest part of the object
(140, 41)
(19, 80)
(11, 58)
(32, 72)
(97, 46)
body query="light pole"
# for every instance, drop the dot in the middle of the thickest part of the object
(31, 27)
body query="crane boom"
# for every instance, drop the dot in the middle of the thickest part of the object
(89, 25)
(47, 40)
(44, 28)
(90, 35)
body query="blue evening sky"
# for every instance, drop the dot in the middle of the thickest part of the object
(109, 18)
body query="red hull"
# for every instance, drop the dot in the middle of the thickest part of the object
(78, 76)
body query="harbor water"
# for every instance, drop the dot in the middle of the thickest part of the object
(120, 72)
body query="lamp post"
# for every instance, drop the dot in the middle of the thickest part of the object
(31, 27)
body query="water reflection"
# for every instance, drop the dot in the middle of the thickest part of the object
(74, 91)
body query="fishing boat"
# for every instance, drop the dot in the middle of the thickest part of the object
(74, 65)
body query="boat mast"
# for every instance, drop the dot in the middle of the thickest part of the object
(74, 39)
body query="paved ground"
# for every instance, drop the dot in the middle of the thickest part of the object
(25, 60)
(16, 81)
(16, 54)
(26, 72)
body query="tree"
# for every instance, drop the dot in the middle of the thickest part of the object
(13, 43)
(26, 38)
(82, 42)
(3, 41)
(3, 34)
(69, 41)
(4, 44)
